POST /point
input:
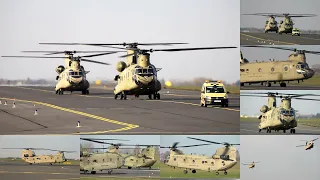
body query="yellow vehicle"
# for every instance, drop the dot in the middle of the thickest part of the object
(295, 32)
(214, 93)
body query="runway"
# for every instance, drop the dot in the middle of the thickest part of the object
(142, 173)
(251, 128)
(277, 39)
(277, 87)
(100, 113)
(197, 179)
(13, 171)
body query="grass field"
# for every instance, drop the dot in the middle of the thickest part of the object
(116, 178)
(314, 122)
(314, 81)
(231, 89)
(167, 172)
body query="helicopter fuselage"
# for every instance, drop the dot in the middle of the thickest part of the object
(136, 80)
(278, 119)
(72, 80)
(56, 158)
(274, 71)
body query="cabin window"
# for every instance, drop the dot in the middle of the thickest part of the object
(285, 68)
(174, 159)
(247, 69)
(94, 160)
(184, 160)
(259, 69)
(242, 70)
(193, 161)
(272, 69)
(26, 155)
(212, 163)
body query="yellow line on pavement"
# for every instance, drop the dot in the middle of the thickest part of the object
(128, 126)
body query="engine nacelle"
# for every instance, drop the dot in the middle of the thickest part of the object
(121, 66)
(264, 109)
(60, 69)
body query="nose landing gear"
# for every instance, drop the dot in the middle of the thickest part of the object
(155, 96)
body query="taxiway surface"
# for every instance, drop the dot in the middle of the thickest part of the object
(100, 113)
(15, 171)
(277, 87)
(251, 128)
(142, 173)
(277, 39)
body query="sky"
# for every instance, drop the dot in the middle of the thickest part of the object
(57, 142)
(264, 54)
(168, 140)
(133, 139)
(283, 6)
(279, 158)
(251, 105)
(200, 23)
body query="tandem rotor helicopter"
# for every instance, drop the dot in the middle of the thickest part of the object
(144, 159)
(72, 76)
(250, 165)
(309, 144)
(138, 76)
(295, 68)
(286, 25)
(224, 158)
(29, 156)
(282, 117)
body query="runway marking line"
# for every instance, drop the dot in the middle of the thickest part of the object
(128, 126)
(268, 40)
(176, 102)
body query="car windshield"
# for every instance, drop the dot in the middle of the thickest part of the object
(214, 89)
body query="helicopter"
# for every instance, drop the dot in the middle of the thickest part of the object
(144, 159)
(309, 144)
(285, 26)
(294, 69)
(72, 76)
(282, 117)
(271, 24)
(224, 158)
(251, 165)
(138, 76)
(29, 156)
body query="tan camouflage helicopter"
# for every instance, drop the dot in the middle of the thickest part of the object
(145, 159)
(294, 69)
(29, 156)
(282, 117)
(72, 76)
(138, 76)
(309, 144)
(271, 24)
(93, 162)
(250, 165)
(285, 26)
(224, 158)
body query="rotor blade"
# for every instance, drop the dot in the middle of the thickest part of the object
(308, 99)
(301, 15)
(314, 139)
(127, 55)
(193, 145)
(300, 145)
(244, 164)
(204, 140)
(102, 54)
(104, 139)
(283, 48)
(112, 44)
(190, 49)
(252, 95)
(37, 57)
(97, 62)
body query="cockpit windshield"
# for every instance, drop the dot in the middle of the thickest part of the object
(302, 66)
(287, 112)
(75, 73)
(214, 89)
(145, 71)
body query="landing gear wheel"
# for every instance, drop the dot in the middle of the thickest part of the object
(60, 92)
(109, 171)
(201, 104)
(292, 131)
(283, 85)
(225, 173)
(259, 130)
(185, 171)
(268, 84)
(57, 91)
(268, 130)
(217, 173)
(116, 96)
(205, 105)
(158, 96)
(93, 172)
(121, 96)
(87, 91)
(124, 96)
(194, 171)
(284, 131)
(150, 96)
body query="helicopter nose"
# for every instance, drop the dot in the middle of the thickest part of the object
(310, 73)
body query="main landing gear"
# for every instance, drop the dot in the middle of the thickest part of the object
(59, 91)
(122, 96)
(85, 92)
(225, 173)
(155, 96)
